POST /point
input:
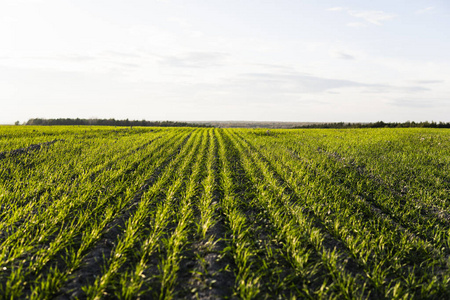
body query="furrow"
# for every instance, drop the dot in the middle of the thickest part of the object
(206, 272)
(27, 150)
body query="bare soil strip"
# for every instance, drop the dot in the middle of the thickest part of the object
(27, 150)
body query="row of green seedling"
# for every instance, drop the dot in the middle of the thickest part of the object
(383, 252)
(52, 182)
(52, 230)
(161, 213)
(321, 267)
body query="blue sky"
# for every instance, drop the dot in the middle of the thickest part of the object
(355, 61)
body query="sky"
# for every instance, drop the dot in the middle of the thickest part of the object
(279, 60)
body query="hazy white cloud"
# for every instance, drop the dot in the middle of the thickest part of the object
(335, 8)
(428, 81)
(180, 21)
(295, 82)
(131, 54)
(273, 67)
(356, 24)
(420, 102)
(376, 17)
(425, 10)
(386, 89)
(194, 59)
(66, 57)
(99, 62)
(21, 2)
(342, 55)
(285, 60)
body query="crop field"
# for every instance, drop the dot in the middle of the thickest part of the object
(207, 213)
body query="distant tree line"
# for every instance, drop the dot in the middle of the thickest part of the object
(110, 122)
(379, 124)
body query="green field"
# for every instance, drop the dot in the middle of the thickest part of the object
(190, 213)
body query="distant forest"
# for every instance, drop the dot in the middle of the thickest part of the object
(228, 124)
(111, 122)
(379, 124)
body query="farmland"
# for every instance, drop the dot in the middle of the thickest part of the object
(207, 213)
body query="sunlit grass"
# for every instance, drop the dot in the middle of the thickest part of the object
(317, 214)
